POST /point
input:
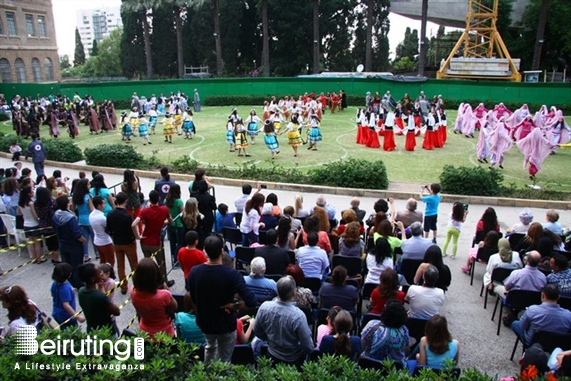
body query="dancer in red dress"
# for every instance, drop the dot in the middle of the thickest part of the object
(428, 142)
(372, 137)
(389, 136)
(398, 119)
(410, 134)
(362, 126)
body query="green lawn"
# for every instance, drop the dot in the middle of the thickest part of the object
(339, 132)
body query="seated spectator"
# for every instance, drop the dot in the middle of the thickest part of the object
(185, 324)
(21, 310)
(488, 222)
(552, 224)
(295, 223)
(547, 316)
(223, 219)
(489, 244)
(330, 209)
(273, 199)
(381, 205)
(525, 219)
(505, 258)
(561, 276)
(437, 346)
(286, 239)
(348, 217)
(545, 247)
(263, 288)
(312, 259)
(243, 336)
(268, 219)
(426, 300)
(385, 229)
(328, 328)
(387, 339)
(415, 247)
(433, 256)
(531, 239)
(312, 224)
(152, 300)
(341, 343)
(276, 258)
(303, 296)
(359, 213)
(387, 290)
(284, 326)
(379, 260)
(556, 240)
(299, 210)
(350, 243)
(337, 293)
(410, 215)
(189, 256)
(321, 214)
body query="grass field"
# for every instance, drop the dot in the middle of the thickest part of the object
(339, 131)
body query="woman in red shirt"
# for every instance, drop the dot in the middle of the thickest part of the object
(387, 290)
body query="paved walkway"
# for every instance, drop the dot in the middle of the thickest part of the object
(469, 322)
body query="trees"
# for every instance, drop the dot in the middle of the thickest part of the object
(376, 41)
(132, 45)
(409, 46)
(142, 7)
(163, 42)
(64, 62)
(94, 51)
(79, 54)
(336, 19)
(265, 39)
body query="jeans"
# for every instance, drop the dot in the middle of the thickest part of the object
(176, 240)
(249, 238)
(75, 258)
(516, 327)
(219, 347)
(87, 233)
(39, 167)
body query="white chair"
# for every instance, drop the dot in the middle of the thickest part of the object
(10, 224)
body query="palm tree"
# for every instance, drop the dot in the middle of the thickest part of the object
(143, 6)
(265, 39)
(178, 6)
(539, 37)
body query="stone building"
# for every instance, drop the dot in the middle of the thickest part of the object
(28, 46)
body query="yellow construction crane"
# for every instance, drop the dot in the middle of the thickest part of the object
(484, 54)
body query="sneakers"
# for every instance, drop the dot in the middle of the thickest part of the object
(453, 256)
(465, 269)
(170, 283)
(434, 241)
(444, 255)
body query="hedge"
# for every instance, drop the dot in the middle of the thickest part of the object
(115, 155)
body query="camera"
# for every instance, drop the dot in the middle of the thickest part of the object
(263, 186)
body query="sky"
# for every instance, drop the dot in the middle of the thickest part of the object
(65, 23)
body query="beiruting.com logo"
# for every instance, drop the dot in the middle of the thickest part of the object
(120, 349)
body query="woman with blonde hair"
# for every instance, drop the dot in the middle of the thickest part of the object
(191, 218)
(299, 211)
(321, 214)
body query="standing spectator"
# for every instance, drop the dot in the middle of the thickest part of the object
(132, 189)
(206, 207)
(561, 276)
(98, 188)
(154, 217)
(196, 102)
(101, 239)
(312, 259)
(432, 200)
(199, 175)
(44, 206)
(63, 307)
(38, 153)
(163, 184)
(11, 195)
(251, 224)
(410, 215)
(70, 239)
(151, 300)
(212, 288)
(31, 224)
(189, 256)
(426, 300)
(240, 202)
(284, 326)
(552, 224)
(263, 288)
(457, 217)
(176, 229)
(83, 206)
(275, 257)
(21, 310)
(119, 228)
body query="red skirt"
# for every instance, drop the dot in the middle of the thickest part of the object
(380, 124)
(410, 142)
(389, 142)
(361, 137)
(400, 124)
(443, 134)
(372, 139)
(428, 142)
(437, 139)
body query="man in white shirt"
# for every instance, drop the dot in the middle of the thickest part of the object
(426, 300)
(240, 202)
(101, 239)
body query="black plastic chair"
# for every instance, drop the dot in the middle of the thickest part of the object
(408, 269)
(334, 240)
(315, 355)
(371, 363)
(454, 372)
(233, 236)
(416, 328)
(244, 256)
(518, 300)
(291, 255)
(352, 264)
(180, 301)
(368, 290)
(479, 236)
(243, 355)
(548, 341)
(369, 316)
(515, 238)
(314, 284)
(483, 256)
(274, 277)
(564, 302)
(499, 274)
(262, 238)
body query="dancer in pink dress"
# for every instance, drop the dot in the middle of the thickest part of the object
(500, 141)
(535, 148)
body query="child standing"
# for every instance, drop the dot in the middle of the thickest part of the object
(432, 200)
(107, 284)
(230, 137)
(457, 218)
(168, 128)
(314, 133)
(293, 135)
(252, 121)
(143, 131)
(63, 307)
(270, 138)
(15, 150)
(126, 131)
(241, 140)
(153, 118)
(188, 124)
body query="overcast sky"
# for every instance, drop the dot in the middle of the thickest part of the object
(65, 23)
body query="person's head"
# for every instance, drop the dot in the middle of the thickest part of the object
(381, 205)
(172, 195)
(191, 238)
(349, 215)
(415, 229)
(199, 174)
(351, 235)
(552, 216)
(526, 216)
(202, 186)
(56, 174)
(26, 195)
(411, 204)
(312, 238)
(321, 201)
(298, 203)
(82, 174)
(343, 324)
(187, 302)
(532, 258)
(147, 276)
(505, 250)
(257, 266)
(311, 223)
(489, 219)
(534, 233)
(15, 300)
(165, 173)
(256, 203)
(389, 284)
(98, 183)
(491, 239)
(246, 189)
(435, 188)
(331, 315)
(458, 211)
(286, 288)
(296, 273)
(559, 263)
(430, 276)
(129, 177)
(213, 246)
(62, 203)
(98, 202)
(386, 228)
(339, 275)
(383, 250)
(89, 273)
(323, 217)
(154, 197)
(288, 211)
(267, 209)
(121, 199)
(272, 198)
(433, 255)
(437, 334)
(61, 273)
(80, 190)
(394, 314)
(355, 202)
(43, 197)
(222, 209)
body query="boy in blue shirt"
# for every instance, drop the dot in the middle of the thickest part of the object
(432, 201)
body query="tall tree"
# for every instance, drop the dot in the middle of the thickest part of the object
(215, 11)
(336, 20)
(265, 40)
(64, 62)
(107, 63)
(142, 7)
(231, 34)
(316, 39)
(369, 36)
(163, 42)
(539, 36)
(423, 46)
(409, 46)
(79, 54)
(132, 45)
(179, 8)
(94, 51)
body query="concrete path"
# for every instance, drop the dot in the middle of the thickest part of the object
(469, 322)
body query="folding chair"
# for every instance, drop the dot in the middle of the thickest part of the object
(371, 363)
(369, 316)
(408, 269)
(244, 256)
(352, 264)
(483, 256)
(233, 236)
(519, 300)
(514, 239)
(499, 274)
(416, 328)
(548, 341)
(564, 302)
(366, 292)
(243, 355)
(314, 284)
(262, 237)
(479, 236)
(334, 240)
(11, 230)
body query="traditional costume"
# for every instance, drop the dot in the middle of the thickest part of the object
(372, 136)
(410, 142)
(535, 149)
(500, 141)
(428, 142)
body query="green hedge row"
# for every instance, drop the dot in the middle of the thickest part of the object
(58, 150)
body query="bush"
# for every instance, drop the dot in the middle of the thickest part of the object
(63, 150)
(351, 173)
(6, 141)
(471, 181)
(115, 155)
(4, 117)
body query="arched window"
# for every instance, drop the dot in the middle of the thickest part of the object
(36, 70)
(20, 70)
(49, 69)
(5, 70)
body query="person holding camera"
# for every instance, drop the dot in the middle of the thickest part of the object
(456, 219)
(432, 200)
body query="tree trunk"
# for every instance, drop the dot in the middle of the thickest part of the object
(147, 38)
(179, 47)
(539, 37)
(265, 40)
(316, 39)
(214, 5)
(422, 56)
(369, 37)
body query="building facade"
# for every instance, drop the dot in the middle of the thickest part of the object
(96, 24)
(28, 46)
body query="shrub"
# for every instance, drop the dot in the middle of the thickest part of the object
(6, 141)
(4, 117)
(471, 181)
(115, 155)
(351, 173)
(63, 150)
